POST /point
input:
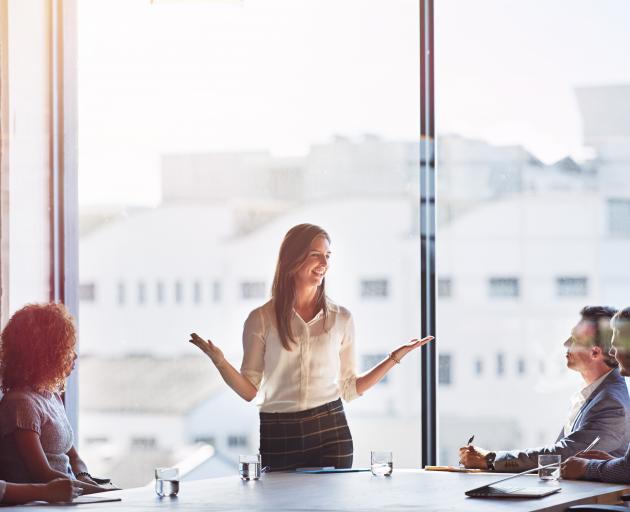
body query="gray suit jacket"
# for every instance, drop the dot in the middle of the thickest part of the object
(606, 414)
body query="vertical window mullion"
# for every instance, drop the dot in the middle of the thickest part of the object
(427, 235)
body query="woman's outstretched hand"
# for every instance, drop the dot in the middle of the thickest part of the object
(403, 350)
(208, 348)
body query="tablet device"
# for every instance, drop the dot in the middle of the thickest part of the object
(490, 491)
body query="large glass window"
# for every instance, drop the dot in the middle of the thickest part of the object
(207, 129)
(533, 138)
(26, 160)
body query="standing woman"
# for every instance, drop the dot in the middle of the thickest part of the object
(299, 359)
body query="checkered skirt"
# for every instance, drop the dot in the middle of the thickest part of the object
(315, 437)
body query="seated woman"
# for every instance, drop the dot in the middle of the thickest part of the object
(56, 491)
(36, 440)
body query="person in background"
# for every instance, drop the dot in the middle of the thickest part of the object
(601, 408)
(598, 464)
(36, 440)
(299, 360)
(59, 490)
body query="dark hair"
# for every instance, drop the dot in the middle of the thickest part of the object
(37, 347)
(600, 317)
(621, 319)
(293, 252)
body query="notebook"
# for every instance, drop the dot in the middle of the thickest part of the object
(84, 500)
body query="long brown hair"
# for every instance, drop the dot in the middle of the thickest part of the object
(293, 252)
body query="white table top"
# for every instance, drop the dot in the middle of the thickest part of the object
(405, 490)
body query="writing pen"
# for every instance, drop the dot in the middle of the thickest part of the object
(589, 447)
(472, 438)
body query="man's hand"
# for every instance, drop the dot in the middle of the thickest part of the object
(574, 469)
(86, 479)
(596, 454)
(473, 457)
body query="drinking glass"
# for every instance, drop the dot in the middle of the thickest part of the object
(249, 466)
(381, 463)
(166, 482)
(551, 472)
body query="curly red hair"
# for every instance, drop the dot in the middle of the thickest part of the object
(37, 347)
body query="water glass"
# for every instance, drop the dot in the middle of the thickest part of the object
(552, 472)
(381, 463)
(166, 482)
(249, 466)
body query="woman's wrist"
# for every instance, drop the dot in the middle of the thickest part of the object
(220, 363)
(393, 357)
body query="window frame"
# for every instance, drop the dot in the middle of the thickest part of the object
(427, 223)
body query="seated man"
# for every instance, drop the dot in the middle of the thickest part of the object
(601, 408)
(597, 464)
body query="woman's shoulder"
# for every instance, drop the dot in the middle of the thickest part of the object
(264, 310)
(336, 309)
(260, 316)
(26, 398)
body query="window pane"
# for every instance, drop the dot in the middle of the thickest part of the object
(159, 292)
(503, 287)
(619, 217)
(444, 369)
(27, 139)
(253, 290)
(374, 288)
(572, 286)
(207, 130)
(534, 205)
(445, 287)
(87, 292)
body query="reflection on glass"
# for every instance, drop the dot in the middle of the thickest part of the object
(534, 217)
(201, 143)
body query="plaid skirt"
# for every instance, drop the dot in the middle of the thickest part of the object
(315, 437)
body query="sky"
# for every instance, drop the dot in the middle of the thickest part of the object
(280, 75)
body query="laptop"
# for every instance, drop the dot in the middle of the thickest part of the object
(489, 491)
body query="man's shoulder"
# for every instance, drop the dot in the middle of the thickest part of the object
(613, 389)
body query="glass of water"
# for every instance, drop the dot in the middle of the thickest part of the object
(249, 466)
(381, 463)
(551, 472)
(166, 482)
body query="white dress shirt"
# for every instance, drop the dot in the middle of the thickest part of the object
(318, 369)
(579, 399)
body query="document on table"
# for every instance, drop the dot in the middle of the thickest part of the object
(81, 500)
(453, 469)
(330, 469)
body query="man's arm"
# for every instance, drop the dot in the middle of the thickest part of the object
(607, 421)
(612, 471)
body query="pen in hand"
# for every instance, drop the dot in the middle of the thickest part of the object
(587, 449)
(472, 438)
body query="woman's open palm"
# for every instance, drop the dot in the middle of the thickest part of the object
(207, 347)
(415, 343)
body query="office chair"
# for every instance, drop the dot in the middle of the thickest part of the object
(602, 508)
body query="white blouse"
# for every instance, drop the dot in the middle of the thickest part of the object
(318, 369)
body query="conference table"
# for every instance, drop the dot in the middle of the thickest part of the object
(404, 490)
